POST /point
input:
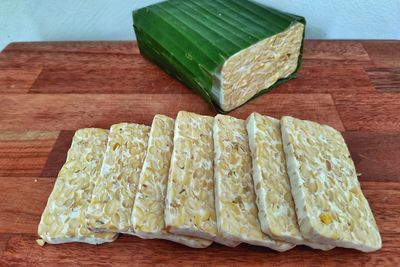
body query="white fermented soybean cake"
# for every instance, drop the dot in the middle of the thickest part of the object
(113, 196)
(237, 213)
(189, 208)
(63, 219)
(275, 204)
(330, 206)
(148, 210)
(258, 67)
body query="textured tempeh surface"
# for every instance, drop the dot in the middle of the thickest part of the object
(189, 204)
(331, 208)
(258, 67)
(63, 219)
(235, 199)
(276, 210)
(148, 209)
(48, 90)
(113, 196)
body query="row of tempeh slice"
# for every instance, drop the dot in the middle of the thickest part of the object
(198, 179)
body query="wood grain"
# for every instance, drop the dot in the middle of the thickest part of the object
(332, 79)
(370, 112)
(58, 154)
(115, 47)
(24, 153)
(335, 53)
(74, 111)
(22, 202)
(376, 155)
(159, 252)
(385, 79)
(3, 242)
(48, 90)
(383, 53)
(17, 80)
(119, 80)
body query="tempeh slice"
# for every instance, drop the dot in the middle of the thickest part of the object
(112, 201)
(189, 206)
(148, 210)
(331, 208)
(235, 200)
(276, 210)
(63, 219)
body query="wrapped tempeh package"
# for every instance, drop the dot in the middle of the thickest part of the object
(227, 51)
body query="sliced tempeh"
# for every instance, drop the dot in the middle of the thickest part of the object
(190, 194)
(63, 219)
(276, 210)
(112, 201)
(235, 200)
(330, 206)
(148, 210)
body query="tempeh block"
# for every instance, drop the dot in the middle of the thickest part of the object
(63, 219)
(331, 208)
(235, 200)
(113, 197)
(148, 210)
(276, 210)
(227, 51)
(190, 203)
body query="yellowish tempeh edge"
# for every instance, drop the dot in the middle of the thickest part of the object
(331, 208)
(190, 203)
(277, 213)
(148, 210)
(112, 201)
(63, 219)
(237, 213)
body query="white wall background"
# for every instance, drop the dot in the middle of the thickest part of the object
(50, 20)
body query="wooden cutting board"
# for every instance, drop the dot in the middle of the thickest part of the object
(48, 90)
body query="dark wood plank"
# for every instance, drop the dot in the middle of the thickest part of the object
(3, 241)
(376, 155)
(72, 111)
(22, 202)
(124, 252)
(385, 79)
(58, 154)
(383, 198)
(330, 79)
(385, 205)
(24, 153)
(13, 80)
(369, 112)
(383, 53)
